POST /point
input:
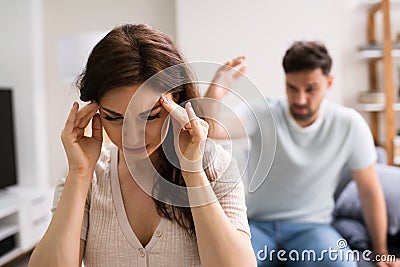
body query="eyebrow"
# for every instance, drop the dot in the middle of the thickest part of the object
(112, 112)
(308, 84)
(291, 85)
(144, 113)
(141, 114)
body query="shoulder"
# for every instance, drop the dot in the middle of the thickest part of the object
(105, 155)
(342, 113)
(103, 165)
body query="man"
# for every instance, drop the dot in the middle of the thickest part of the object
(291, 210)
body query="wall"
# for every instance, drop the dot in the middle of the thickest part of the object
(21, 67)
(263, 30)
(66, 18)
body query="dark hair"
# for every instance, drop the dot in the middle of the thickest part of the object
(304, 56)
(129, 55)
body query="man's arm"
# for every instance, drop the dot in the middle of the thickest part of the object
(224, 126)
(374, 207)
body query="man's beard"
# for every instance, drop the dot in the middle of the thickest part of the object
(304, 117)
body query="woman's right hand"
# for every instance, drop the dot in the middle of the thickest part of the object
(82, 151)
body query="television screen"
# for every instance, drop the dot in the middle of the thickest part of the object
(8, 175)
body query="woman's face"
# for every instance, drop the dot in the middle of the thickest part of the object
(140, 129)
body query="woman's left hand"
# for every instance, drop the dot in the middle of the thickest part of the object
(190, 134)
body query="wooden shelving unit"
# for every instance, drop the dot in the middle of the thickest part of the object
(374, 56)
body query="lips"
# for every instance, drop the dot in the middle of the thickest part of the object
(136, 150)
(298, 109)
(301, 110)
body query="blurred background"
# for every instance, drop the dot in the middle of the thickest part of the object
(41, 41)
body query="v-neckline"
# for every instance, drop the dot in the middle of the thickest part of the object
(121, 213)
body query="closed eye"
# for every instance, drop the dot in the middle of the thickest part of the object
(153, 117)
(292, 88)
(310, 89)
(113, 118)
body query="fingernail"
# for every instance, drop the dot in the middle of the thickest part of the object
(165, 99)
(189, 105)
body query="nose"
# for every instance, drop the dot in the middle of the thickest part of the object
(133, 134)
(301, 98)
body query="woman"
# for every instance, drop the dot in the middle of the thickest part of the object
(103, 215)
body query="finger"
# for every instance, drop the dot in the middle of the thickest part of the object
(86, 119)
(235, 62)
(85, 110)
(239, 72)
(177, 112)
(232, 63)
(97, 131)
(69, 124)
(194, 121)
(86, 113)
(190, 111)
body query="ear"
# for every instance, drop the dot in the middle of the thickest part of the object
(331, 78)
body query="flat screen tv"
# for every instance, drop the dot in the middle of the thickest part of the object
(8, 170)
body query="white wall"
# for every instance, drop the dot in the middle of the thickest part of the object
(263, 30)
(65, 18)
(21, 67)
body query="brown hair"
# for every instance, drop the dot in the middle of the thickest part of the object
(129, 55)
(304, 56)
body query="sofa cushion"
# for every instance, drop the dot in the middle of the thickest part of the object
(348, 204)
(354, 232)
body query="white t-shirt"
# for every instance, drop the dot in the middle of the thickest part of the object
(304, 173)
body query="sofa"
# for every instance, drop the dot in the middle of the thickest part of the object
(347, 216)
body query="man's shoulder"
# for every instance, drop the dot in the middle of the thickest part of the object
(340, 112)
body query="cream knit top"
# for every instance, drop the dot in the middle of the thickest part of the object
(109, 239)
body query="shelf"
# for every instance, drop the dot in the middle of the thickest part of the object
(8, 204)
(375, 51)
(375, 54)
(376, 107)
(25, 215)
(10, 255)
(7, 230)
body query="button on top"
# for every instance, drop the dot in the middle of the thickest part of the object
(142, 252)
(158, 233)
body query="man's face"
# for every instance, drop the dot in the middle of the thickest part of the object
(305, 91)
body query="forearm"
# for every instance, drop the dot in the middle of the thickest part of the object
(219, 242)
(60, 245)
(374, 209)
(224, 123)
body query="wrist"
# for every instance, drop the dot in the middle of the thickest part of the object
(81, 177)
(200, 193)
(380, 251)
(195, 179)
